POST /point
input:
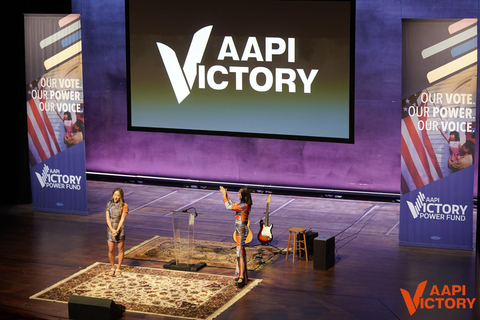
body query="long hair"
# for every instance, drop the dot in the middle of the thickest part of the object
(246, 196)
(122, 200)
(456, 135)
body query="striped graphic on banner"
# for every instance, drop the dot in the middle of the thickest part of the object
(42, 140)
(418, 157)
(461, 43)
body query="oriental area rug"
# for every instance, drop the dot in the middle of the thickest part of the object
(213, 253)
(152, 291)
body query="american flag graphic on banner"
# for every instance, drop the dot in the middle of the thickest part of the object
(419, 163)
(42, 141)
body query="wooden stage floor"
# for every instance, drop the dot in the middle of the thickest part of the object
(39, 249)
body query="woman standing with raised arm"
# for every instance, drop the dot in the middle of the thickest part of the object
(242, 210)
(116, 211)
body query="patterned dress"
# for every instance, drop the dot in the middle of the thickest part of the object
(242, 211)
(115, 213)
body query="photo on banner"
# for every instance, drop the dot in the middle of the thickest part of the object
(55, 112)
(438, 137)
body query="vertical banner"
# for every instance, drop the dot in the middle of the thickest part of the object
(55, 112)
(438, 133)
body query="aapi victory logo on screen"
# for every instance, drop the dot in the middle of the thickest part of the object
(183, 78)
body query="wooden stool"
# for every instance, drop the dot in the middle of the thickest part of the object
(296, 244)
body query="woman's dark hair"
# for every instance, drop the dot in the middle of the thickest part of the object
(80, 127)
(246, 196)
(470, 146)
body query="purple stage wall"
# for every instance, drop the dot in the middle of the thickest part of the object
(372, 163)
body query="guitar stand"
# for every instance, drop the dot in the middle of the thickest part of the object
(183, 241)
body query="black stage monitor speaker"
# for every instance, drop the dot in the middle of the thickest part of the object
(323, 252)
(86, 308)
(309, 236)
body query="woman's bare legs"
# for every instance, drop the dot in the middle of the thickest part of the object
(121, 253)
(111, 255)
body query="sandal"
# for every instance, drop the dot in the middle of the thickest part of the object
(112, 272)
(241, 283)
(118, 271)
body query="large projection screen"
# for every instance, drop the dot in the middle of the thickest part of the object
(269, 69)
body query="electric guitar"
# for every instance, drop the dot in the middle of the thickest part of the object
(265, 235)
